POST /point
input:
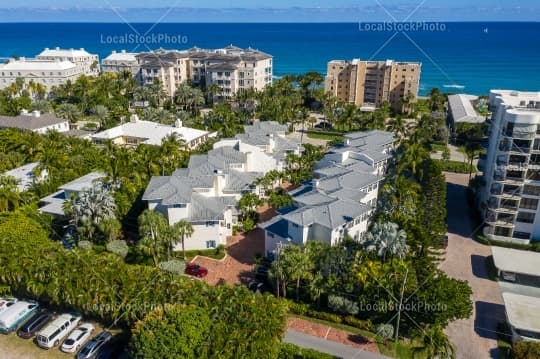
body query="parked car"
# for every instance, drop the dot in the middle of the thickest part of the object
(257, 287)
(16, 314)
(115, 348)
(93, 348)
(324, 125)
(35, 323)
(261, 273)
(196, 270)
(77, 337)
(5, 303)
(51, 335)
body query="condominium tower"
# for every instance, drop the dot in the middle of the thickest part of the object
(368, 84)
(232, 69)
(509, 200)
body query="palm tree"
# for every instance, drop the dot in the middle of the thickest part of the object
(182, 230)
(211, 91)
(101, 113)
(90, 207)
(10, 197)
(387, 239)
(154, 231)
(434, 344)
(172, 151)
(68, 111)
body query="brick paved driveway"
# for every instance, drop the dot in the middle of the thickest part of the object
(465, 259)
(237, 267)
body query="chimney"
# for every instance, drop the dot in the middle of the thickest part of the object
(134, 118)
(271, 142)
(24, 112)
(219, 182)
(36, 113)
(178, 123)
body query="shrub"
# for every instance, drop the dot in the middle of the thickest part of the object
(526, 350)
(385, 331)
(118, 247)
(358, 323)
(342, 305)
(456, 166)
(297, 308)
(291, 351)
(173, 266)
(329, 317)
(85, 245)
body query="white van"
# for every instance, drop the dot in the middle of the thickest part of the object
(16, 314)
(55, 331)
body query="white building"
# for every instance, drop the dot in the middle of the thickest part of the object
(121, 61)
(54, 203)
(35, 121)
(48, 73)
(137, 132)
(206, 193)
(341, 198)
(509, 201)
(86, 63)
(461, 109)
(25, 175)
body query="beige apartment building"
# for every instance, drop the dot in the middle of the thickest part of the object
(232, 69)
(368, 84)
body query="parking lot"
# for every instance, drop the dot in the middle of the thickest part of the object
(13, 347)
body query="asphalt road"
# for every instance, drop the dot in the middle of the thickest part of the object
(326, 346)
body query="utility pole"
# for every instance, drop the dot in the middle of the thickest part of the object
(400, 304)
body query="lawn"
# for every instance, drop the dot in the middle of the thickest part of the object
(14, 347)
(325, 136)
(437, 148)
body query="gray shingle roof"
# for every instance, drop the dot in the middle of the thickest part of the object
(209, 208)
(352, 180)
(28, 122)
(331, 215)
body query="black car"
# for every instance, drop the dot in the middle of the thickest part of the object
(114, 349)
(34, 324)
(257, 287)
(95, 346)
(261, 273)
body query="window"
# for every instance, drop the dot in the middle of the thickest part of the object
(528, 203)
(179, 205)
(210, 244)
(531, 190)
(525, 217)
(522, 235)
(502, 231)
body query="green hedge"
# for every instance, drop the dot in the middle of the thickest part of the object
(526, 350)
(291, 351)
(305, 310)
(521, 246)
(216, 253)
(456, 166)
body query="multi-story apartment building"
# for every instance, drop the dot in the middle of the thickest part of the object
(341, 198)
(48, 73)
(120, 62)
(206, 193)
(86, 63)
(509, 200)
(232, 69)
(368, 84)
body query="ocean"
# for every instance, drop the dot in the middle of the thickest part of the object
(456, 57)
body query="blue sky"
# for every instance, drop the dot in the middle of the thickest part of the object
(269, 10)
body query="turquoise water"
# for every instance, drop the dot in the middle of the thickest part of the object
(456, 57)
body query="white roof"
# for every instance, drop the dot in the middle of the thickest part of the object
(462, 108)
(37, 65)
(24, 175)
(512, 98)
(151, 133)
(122, 56)
(516, 261)
(72, 53)
(523, 312)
